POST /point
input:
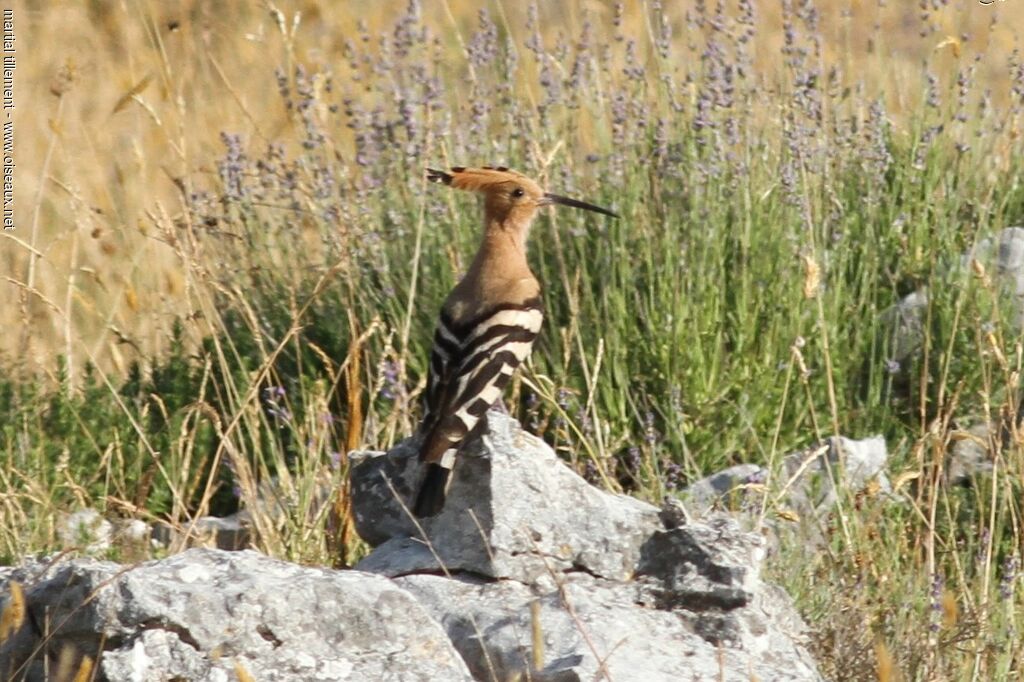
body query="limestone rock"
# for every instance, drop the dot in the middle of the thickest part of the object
(203, 614)
(514, 510)
(535, 574)
(232, 532)
(725, 488)
(590, 628)
(819, 473)
(1000, 257)
(970, 456)
(88, 530)
(530, 573)
(703, 566)
(810, 480)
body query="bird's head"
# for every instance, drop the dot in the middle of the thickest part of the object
(510, 198)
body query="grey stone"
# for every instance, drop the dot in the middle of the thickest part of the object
(548, 579)
(629, 593)
(232, 532)
(809, 482)
(590, 628)
(87, 530)
(816, 476)
(970, 456)
(513, 511)
(905, 325)
(200, 614)
(272, 503)
(1000, 258)
(703, 565)
(402, 556)
(722, 488)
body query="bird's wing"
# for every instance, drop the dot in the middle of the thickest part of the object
(446, 346)
(474, 362)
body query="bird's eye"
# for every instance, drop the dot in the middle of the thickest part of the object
(518, 192)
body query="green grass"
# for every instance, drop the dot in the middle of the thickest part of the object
(734, 313)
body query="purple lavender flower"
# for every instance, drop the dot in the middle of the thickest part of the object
(634, 461)
(673, 476)
(935, 603)
(389, 372)
(1008, 577)
(482, 48)
(562, 398)
(232, 167)
(651, 435)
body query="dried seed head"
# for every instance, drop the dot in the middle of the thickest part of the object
(812, 276)
(63, 79)
(950, 609)
(13, 615)
(953, 43)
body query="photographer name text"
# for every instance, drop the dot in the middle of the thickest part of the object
(8, 117)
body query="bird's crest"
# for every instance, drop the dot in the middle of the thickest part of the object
(475, 179)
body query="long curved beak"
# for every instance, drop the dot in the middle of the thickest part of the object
(550, 199)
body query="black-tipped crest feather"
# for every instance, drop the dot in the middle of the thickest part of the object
(439, 176)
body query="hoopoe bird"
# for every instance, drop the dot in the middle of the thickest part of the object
(487, 325)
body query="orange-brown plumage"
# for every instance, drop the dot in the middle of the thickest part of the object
(488, 322)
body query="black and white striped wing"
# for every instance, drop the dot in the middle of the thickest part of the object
(472, 363)
(446, 346)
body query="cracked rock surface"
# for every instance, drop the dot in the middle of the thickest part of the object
(514, 510)
(546, 577)
(206, 614)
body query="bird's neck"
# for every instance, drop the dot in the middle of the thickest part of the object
(499, 273)
(504, 242)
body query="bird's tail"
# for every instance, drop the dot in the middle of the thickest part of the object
(433, 489)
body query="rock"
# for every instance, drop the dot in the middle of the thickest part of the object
(904, 322)
(723, 488)
(272, 503)
(998, 261)
(703, 566)
(810, 480)
(203, 614)
(970, 456)
(1000, 258)
(232, 532)
(87, 530)
(817, 475)
(514, 510)
(591, 628)
(573, 583)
